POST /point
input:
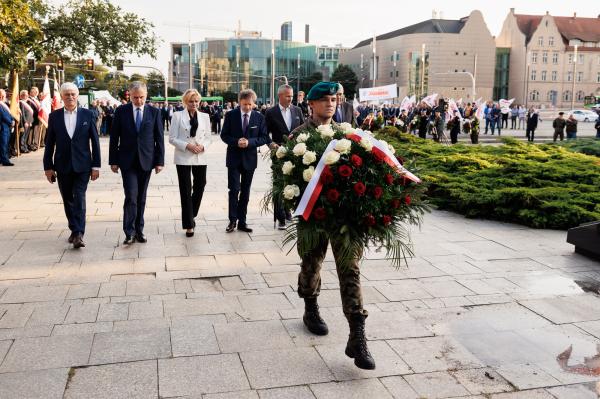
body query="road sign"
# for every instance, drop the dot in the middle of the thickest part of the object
(79, 81)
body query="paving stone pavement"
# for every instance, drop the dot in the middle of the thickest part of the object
(481, 311)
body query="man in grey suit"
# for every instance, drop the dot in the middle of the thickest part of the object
(344, 111)
(26, 119)
(281, 120)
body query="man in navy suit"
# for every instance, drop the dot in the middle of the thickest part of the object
(281, 120)
(136, 147)
(6, 124)
(72, 156)
(244, 130)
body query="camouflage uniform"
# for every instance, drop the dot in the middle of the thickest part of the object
(309, 278)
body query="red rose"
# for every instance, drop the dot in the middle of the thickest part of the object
(333, 195)
(389, 179)
(395, 203)
(387, 219)
(378, 155)
(370, 220)
(407, 200)
(345, 171)
(320, 213)
(377, 192)
(356, 161)
(360, 188)
(327, 176)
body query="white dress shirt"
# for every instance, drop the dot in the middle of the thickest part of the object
(71, 121)
(287, 116)
(135, 112)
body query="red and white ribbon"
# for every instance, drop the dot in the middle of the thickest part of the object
(314, 187)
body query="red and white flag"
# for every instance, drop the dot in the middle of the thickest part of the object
(56, 100)
(46, 104)
(430, 100)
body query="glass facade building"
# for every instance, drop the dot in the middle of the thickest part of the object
(501, 73)
(230, 65)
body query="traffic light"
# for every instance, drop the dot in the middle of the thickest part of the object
(60, 66)
(31, 64)
(89, 64)
(119, 64)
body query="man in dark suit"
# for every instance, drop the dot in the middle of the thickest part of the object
(72, 156)
(244, 130)
(136, 146)
(216, 115)
(344, 111)
(302, 104)
(281, 120)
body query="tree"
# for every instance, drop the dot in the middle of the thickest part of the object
(346, 76)
(76, 29)
(156, 84)
(307, 83)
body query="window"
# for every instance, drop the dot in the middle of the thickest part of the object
(391, 74)
(598, 78)
(533, 74)
(533, 58)
(567, 96)
(545, 57)
(397, 56)
(541, 40)
(534, 95)
(580, 95)
(392, 58)
(554, 76)
(570, 58)
(555, 58)
(551, 96)
(569, 76)
(543, 76)
(550, 40)
(579, 76)
(396, 73)
(581, 58)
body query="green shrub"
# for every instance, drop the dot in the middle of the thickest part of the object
(542, 186)
(584, 146)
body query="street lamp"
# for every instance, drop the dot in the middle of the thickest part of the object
(395, 79)
(422, 69)
(574, 73)
(298, 82)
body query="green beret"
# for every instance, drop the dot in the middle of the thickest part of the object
(322, 89)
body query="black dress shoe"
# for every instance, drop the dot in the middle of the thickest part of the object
(8, 164)
(78, 241)
(141, 238)
(189, 233)
(288, 217)
(71, 237)
(244, 228)
(281, 226)
(128, 240)
(230, 227)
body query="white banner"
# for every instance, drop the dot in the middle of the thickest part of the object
(379, 93)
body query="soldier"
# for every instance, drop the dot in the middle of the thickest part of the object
(322, 100)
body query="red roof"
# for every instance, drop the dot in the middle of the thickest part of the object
(584, 29)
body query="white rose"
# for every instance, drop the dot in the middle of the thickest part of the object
(346, 127)
(343, 146)
(391, 148)
(332, 157)
(291, 191)
(287, 168)
(299, 149)
(326, 131)
(281, 152)
(302, 137)
(366, 144)
(309, 157)
(308, 173)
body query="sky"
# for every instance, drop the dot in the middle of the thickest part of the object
(331, 22)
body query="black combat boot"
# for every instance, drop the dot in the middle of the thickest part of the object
(357, 343)
(312, 319)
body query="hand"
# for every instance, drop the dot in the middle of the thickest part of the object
(243, 143)
(50, 175)
(158, 168)
(273, 146)
(94, 174)
(114, 168)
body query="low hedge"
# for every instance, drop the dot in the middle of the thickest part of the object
(542, 186)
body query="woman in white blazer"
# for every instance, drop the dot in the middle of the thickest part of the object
(190, 135)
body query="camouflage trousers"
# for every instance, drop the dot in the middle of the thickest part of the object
(309, 278)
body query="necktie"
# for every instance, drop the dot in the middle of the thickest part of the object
(138, 119)
(245, 123)
(338, 115)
